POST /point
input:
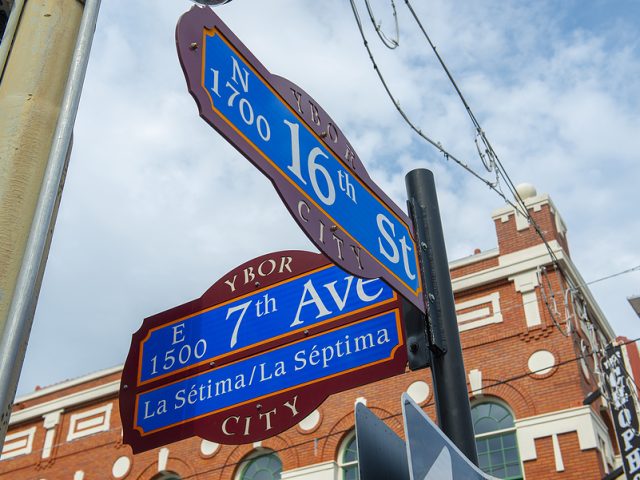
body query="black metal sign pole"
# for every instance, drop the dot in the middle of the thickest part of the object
(447, 367)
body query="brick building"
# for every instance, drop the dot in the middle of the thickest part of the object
(530, 333)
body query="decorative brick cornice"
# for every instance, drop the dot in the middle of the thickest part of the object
(536, 333)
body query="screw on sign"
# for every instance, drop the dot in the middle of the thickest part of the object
(258, 352)
(294, 142)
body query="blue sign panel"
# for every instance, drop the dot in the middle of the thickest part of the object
(338, 351)
(279, 128)
(325, 295)
(247, 102)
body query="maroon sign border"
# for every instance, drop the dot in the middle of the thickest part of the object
(190, 32)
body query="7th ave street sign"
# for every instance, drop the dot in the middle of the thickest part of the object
(294, 142)
(258, 352)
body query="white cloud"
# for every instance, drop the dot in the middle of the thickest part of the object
(157, 206)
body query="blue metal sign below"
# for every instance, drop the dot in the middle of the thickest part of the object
(317, 173)
(339, 351)
(258, 352)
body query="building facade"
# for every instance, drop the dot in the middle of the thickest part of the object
(531, 334)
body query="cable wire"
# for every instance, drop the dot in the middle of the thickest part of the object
(487, 154)
(629, 270)
(396, 103)
(390, 43)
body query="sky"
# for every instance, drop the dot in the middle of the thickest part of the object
(157, 206)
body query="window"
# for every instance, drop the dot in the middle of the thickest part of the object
(262, 465)
(167, 475)
(496, 440)
(348, 458)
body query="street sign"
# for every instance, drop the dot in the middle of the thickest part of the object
(623, 409)
(427, 453)
(258, 352)
(381, 452)
(432, 456)
(284, 132)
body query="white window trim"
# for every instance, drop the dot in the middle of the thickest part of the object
(480, 316)
(22, 443)
(255, 453)
(94, 425)
(341, 451)
(581, 420)
(71, 400)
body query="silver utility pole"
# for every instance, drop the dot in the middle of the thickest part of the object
(15, 334)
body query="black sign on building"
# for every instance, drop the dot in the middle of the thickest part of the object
(623, 410)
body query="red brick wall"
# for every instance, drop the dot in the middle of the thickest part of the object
(577, 464)
(511, 240)
(500, 351)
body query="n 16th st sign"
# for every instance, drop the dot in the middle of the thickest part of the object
(258, 352)
(293, 141)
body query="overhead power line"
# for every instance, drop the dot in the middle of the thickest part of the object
(629, 270)
(486, 152)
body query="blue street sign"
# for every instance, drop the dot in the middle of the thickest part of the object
(300, 363)
(248, 321)
(293, 141)
(261, 349)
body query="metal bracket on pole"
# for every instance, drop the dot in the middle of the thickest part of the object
(437, 342)
(415, 330)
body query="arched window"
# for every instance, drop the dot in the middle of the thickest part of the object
(167, 475)
(261, 465)
(348, 458)
(496, 440)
